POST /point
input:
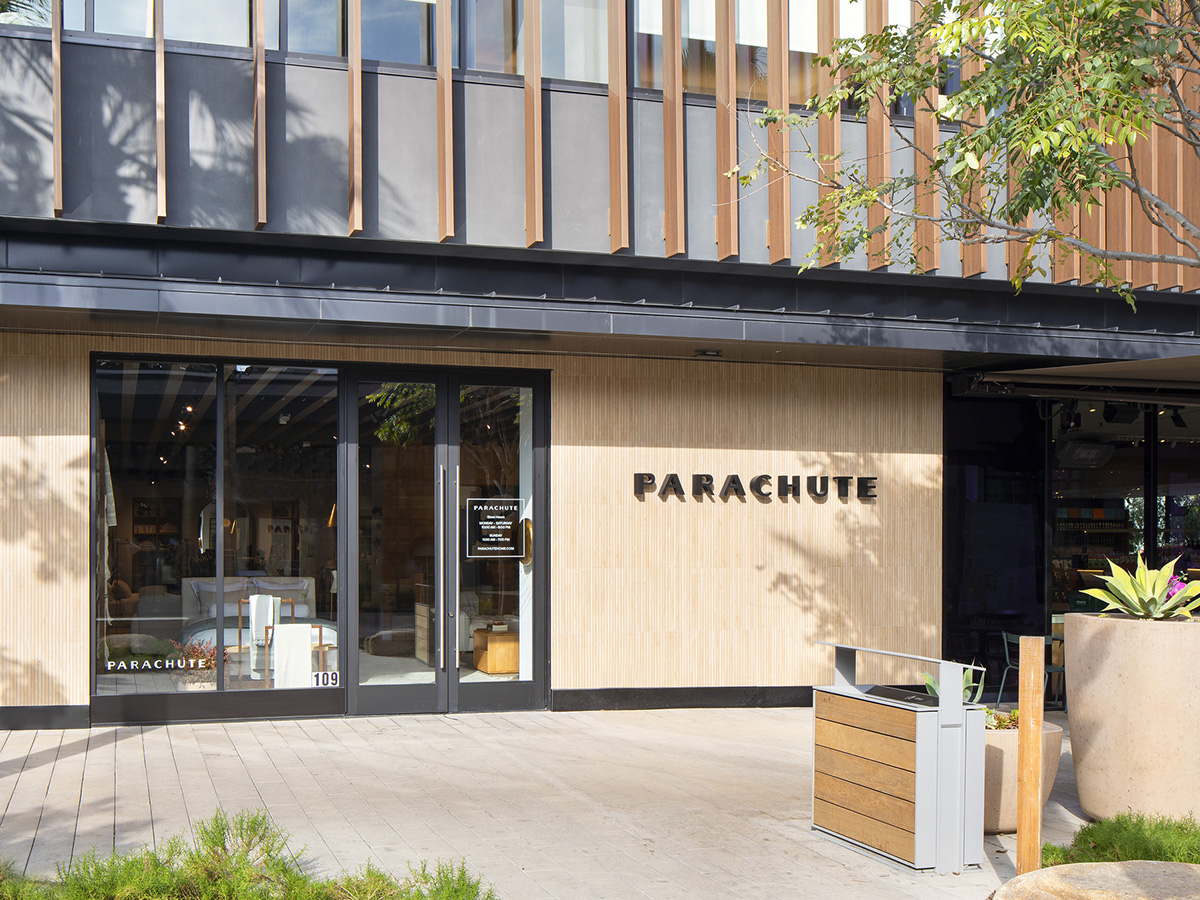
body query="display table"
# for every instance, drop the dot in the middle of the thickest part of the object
(497, 652)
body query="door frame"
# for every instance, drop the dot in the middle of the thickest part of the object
(446, 693)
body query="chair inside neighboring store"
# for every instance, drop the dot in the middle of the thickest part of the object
(1012, 662)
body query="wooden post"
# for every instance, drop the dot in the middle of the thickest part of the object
(1029, 754)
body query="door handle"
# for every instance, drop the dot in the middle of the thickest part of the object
(439, 573)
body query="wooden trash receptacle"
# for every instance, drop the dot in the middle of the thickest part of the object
(897, 772)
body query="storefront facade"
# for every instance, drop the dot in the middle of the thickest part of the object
(454, 457)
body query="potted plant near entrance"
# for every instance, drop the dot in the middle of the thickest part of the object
(1000, 768)
(1133, 690)
(1000, 759)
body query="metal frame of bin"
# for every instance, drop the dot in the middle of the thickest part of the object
(948, 757)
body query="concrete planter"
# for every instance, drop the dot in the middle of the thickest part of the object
(1000, 775)
(1133, 691)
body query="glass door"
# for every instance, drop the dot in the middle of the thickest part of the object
(499, 646)
(445, 583)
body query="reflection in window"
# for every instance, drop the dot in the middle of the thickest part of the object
(802, 51)
(698, 28)
(155, 474)
(26, 12)
(648, 59)
(575, 40)
(496, 38)
(403, 31)
(211, 22)
(122, 17)
(316, 26)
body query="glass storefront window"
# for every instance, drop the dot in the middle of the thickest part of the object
(575, 40)
(1179, 488)
(316, 26)
(496, 36)
(1097, 505)
(156, 473)
(279, 610)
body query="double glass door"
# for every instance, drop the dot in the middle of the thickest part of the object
(445, 487)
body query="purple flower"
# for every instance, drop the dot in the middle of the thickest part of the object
(1175, 585)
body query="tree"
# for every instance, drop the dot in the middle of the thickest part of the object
(1054, 97)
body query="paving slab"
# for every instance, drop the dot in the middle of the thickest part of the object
(651, 804)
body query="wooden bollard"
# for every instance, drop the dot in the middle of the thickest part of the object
(1029, 754)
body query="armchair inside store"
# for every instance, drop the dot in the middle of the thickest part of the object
(1057, 472)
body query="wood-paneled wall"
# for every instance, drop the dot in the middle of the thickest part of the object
(656, 593)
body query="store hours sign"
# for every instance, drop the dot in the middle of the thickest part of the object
(493, 528)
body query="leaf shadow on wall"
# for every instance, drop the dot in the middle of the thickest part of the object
(42, 517)
(26, 129)
(842, 573)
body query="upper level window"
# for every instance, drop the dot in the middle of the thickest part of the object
(403, 31)
(698, 24)
(575, 39)
(316, 26)
(211, 22)
(130, 17)
(495, 35)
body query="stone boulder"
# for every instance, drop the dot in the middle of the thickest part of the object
(1135, 880)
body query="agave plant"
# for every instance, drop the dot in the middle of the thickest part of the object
(1148, 593)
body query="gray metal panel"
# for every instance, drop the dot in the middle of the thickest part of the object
(646, 178)
(307, 150)
(576, 160)
(900, 162)
(26, 153)
(925, 813)
(399, 157)
(210, 142)
(493, 153)
(804, 193)
(854, 152)
(108, 134)
(700, 180)
(753, 209)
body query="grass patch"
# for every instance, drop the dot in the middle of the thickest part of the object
(1130, 836)
(244, 857)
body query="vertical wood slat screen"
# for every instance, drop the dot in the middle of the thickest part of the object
(1065, 265)
(1116, 225)
(160, 115)
(926, 238)
(1166, 171)
(878, 146)
(974, 256)
(259, 20)
(445, 121)
(829, 130)
(618, 129)
(727, 124)
(779, 187)
(674, 209)
(535, 219)
(354, 68)
(1189, 190)
(1143, 154)
(1093, 226)
(56, 28)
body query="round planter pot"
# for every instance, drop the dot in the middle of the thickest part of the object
(1000, 775)
(1133, 698)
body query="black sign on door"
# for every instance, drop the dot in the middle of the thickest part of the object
(493, 528)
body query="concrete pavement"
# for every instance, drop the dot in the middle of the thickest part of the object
(664, 804)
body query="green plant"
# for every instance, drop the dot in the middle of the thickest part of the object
(1130, 836)
(446, 882)
(997, 720)
(1148, 593)
(972, 690)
